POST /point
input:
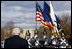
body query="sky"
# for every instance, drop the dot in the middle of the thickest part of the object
(23, 13)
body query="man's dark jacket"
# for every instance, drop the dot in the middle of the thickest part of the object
(16, 42)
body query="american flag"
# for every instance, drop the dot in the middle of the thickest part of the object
(40, 17)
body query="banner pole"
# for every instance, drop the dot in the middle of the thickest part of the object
(35, 15)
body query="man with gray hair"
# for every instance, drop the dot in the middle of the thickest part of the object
(16, 41)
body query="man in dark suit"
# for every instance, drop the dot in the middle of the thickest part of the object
(16, 41)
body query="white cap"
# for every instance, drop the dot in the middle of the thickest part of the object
(16, 31)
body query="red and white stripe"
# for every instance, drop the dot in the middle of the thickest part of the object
(40, 18)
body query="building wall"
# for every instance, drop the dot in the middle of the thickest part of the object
(24, 33)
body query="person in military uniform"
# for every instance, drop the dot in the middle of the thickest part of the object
(63, 42)
(28, 35)
(45, 38)
(28, 38)
(37, 43)
(36, 34)
(44, 35)
(55, 41)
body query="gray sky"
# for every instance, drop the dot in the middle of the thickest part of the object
(22, 13)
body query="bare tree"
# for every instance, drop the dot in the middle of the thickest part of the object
(9, 25)
(66, 25)
(6, 31)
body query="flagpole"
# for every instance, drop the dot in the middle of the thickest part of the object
(35, 21)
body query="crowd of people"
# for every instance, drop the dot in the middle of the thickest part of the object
(36, 42)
